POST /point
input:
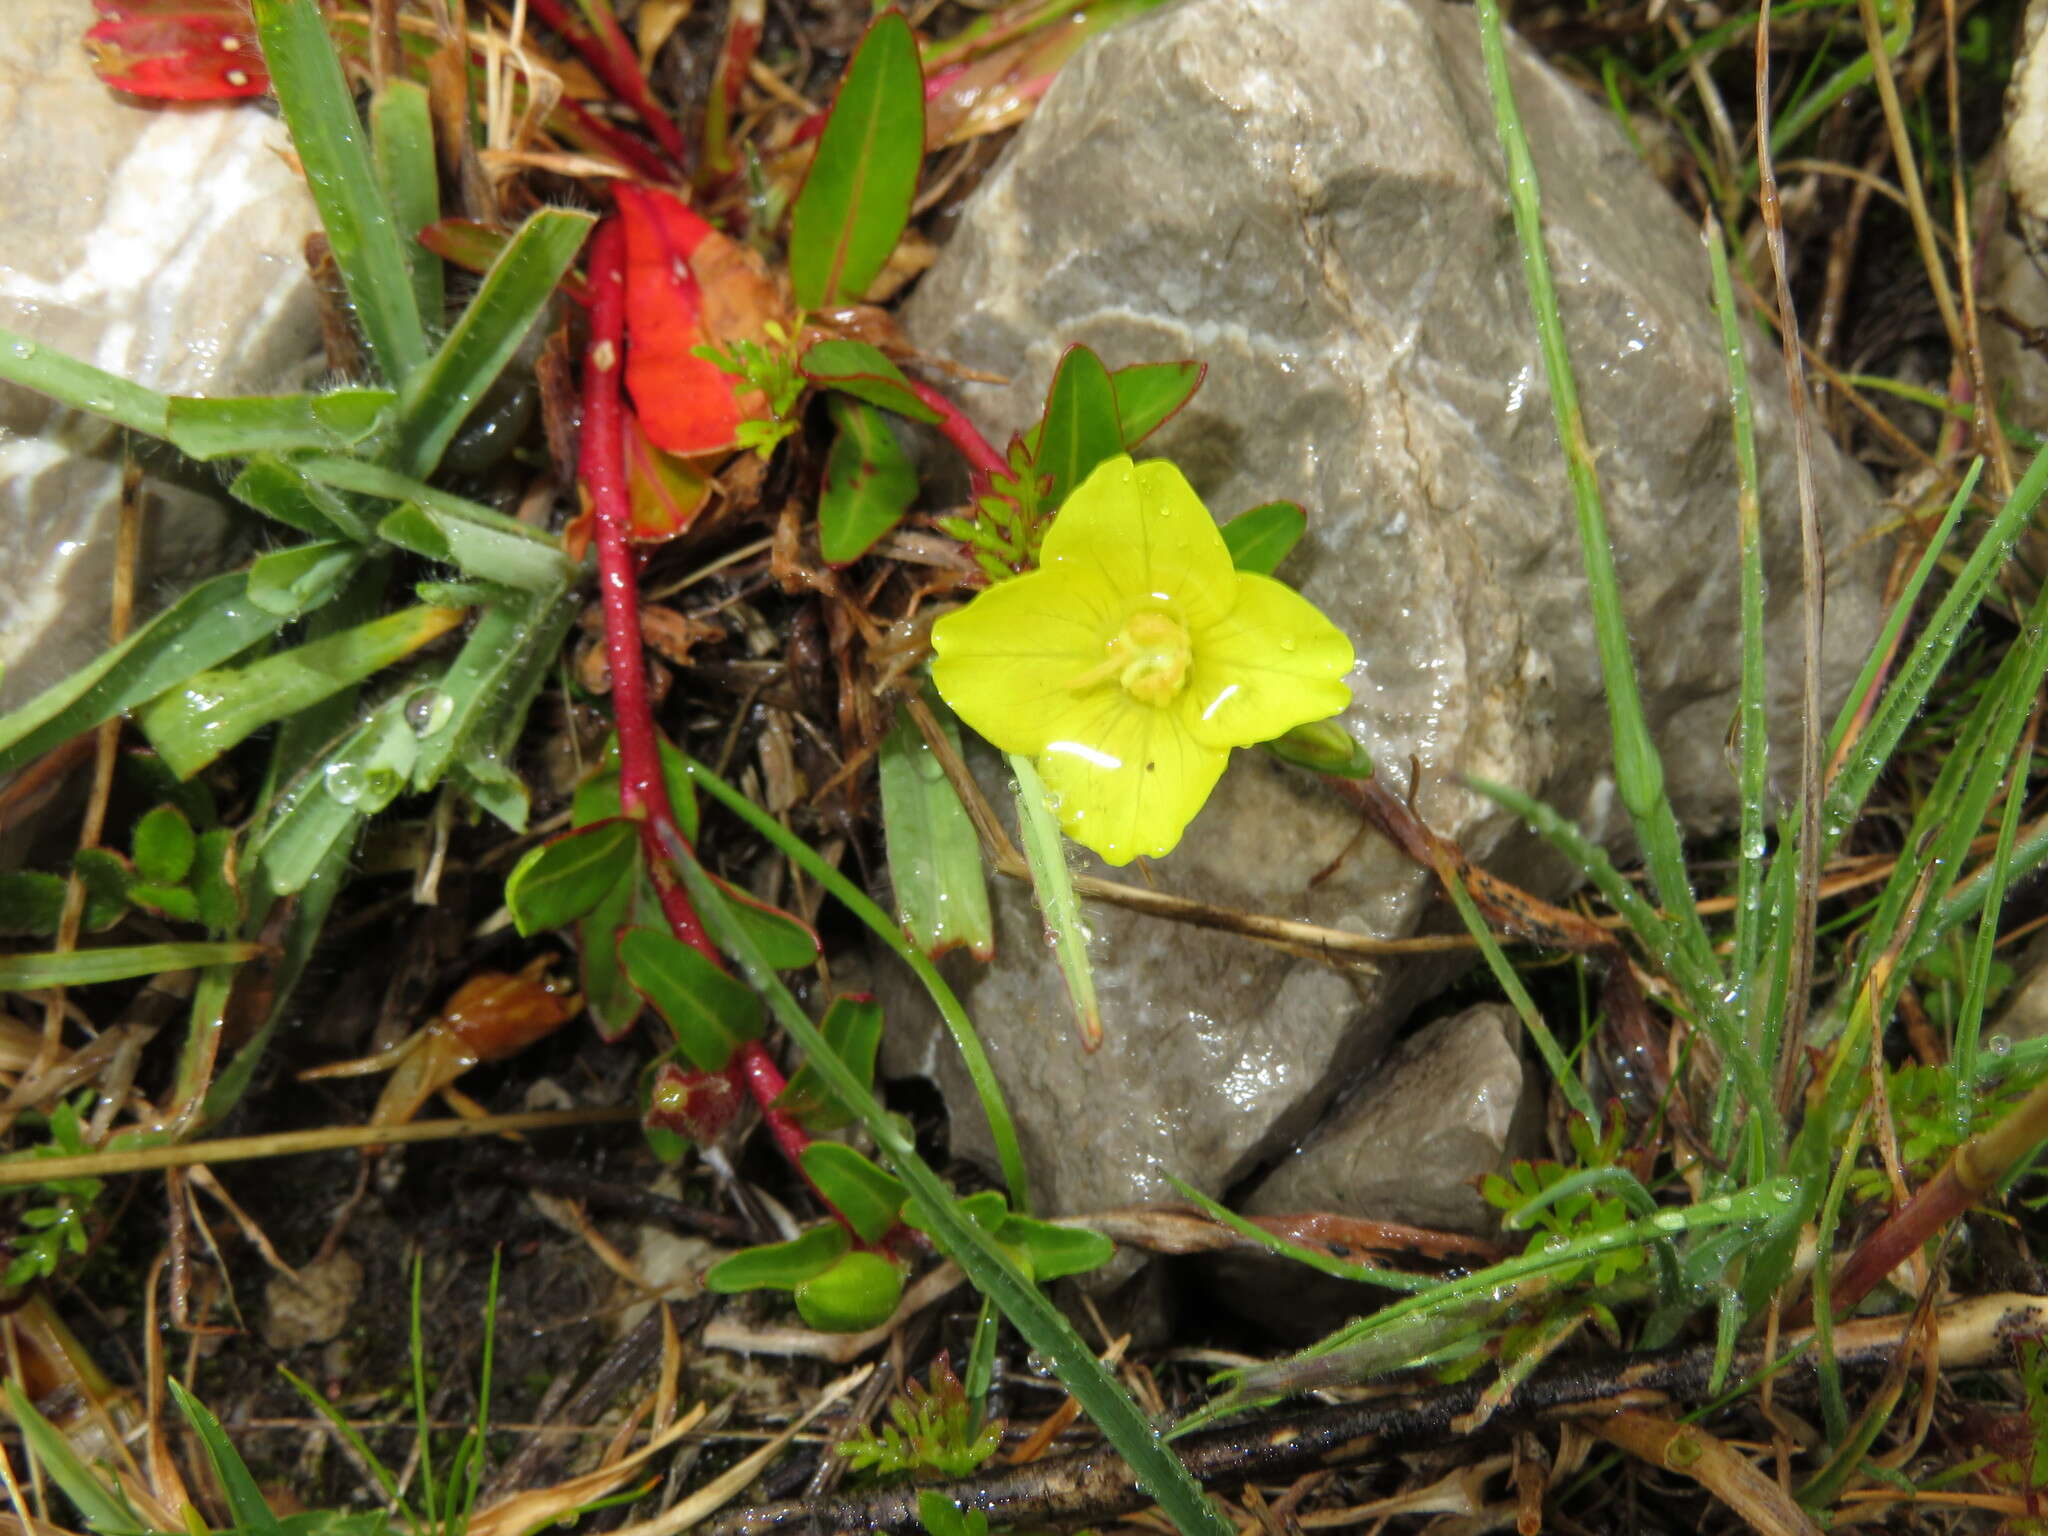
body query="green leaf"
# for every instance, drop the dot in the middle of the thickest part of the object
(31, 903)
(711, 1013)
(106, 877)
(940, 1516)
(856, 198)
(362, 232)
(1053, 884)
(251, 1515)
(402, 147)
(1080, 427)
(853, 1028)
(869, 483)
(193, 724)
(567, 877)
(452, 528)
(868, 1198)
(1260, 539)
(81, 386)
(787, 940)
(99, 1500)
(865, 372)
(608, 992)
(164, 845)
(1053, 1252)
(214, 887)
(934, 855)
(282, 491)
(515, 294)
(209, 624)
(779, 1266)
(84, 967)
(241, 425)
(288, 582)
(1148, 395)
(488, 681)
(598, 796)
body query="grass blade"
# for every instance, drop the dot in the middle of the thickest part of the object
(81, 386)
(402, 146)
(1053, 884)
(84, 967)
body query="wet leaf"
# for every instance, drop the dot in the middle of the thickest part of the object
(164, 845)
(608, 993)
(687, 1106)
(1080, 428)
(241, 425)
(288, 582)
(935, 865)
(1054, 1251)
(856, 199)
(865, 372)
(567, 877)
(868, 1198)
(852, 1027)
(1258, 540)
(402, 149)
(282, 491)
(1148, 395)
(779, 1266)
(711, 1013)
(869, 482)
(787, 942)
(214, 881)
(857, 1293)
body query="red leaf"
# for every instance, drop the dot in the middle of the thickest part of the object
(698, 1105)
(666, 492)
(687, 286)
(177, 50)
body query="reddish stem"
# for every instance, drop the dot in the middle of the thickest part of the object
(615, 141)
(643, 792)
(765, 1082)
(960, 432)
(602, 45)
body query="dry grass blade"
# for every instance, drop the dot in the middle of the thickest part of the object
(544, 1506)
(1711, 1462)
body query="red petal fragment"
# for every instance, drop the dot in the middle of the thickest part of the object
(186, 53)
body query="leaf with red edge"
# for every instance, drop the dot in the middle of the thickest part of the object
(665, 493)
(177, 50)
(688, 286)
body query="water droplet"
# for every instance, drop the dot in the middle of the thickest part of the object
(427, 711)
(23, 350)
(346, 782)
(1998, 1045)
(1754, 844)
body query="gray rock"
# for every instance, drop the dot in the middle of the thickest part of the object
(161, 244)
(1307, 195)
(1450, 1104)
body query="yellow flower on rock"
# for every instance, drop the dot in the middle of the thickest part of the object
(1134, 658)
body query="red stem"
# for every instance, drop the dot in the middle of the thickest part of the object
(603, 46)
(643, 792)
(766, 1082)
(614, 141)
(960, 432)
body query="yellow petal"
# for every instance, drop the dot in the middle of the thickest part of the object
(1272, 663)
(1140, 532)
(1128, 778)
(1005, 661)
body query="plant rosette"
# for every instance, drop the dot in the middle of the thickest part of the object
(1134, 658)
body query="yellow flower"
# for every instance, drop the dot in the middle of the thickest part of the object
(1134, 658)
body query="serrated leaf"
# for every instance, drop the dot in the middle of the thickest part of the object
(865, 372)
(869, 483)
(1080, 427)
(856, 198)
(164, 844)
(853, 1028)
(779, 1266)
(1259, 539)
(1148, 395)
(710, 1012)
(567, 877)
(868, 1198)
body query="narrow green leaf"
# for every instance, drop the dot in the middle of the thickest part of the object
(362, 232)
(1054, 1252)
(868, 1198)
(856, 198)
(242, 425)
(193, 724)
(402, 146)
(282, 491)
(81, 386)
(164, 845)
(99, 1501)
(1053, 884)
(935, 865)
(288, 582)
(1260, 539)
(209, 624)
(869, 482)
(779, 1266)
(1148, 395)
(853, 1028)
(84, 967)
(567, 877)
(515, 294)
(711, 1013)
(247, 1508)
(31, 903)
(478, 549)
(865, 372)
(1080, 427)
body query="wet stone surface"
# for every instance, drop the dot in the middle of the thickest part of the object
(1306, 195)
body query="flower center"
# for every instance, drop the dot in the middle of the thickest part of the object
(1149, 656)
